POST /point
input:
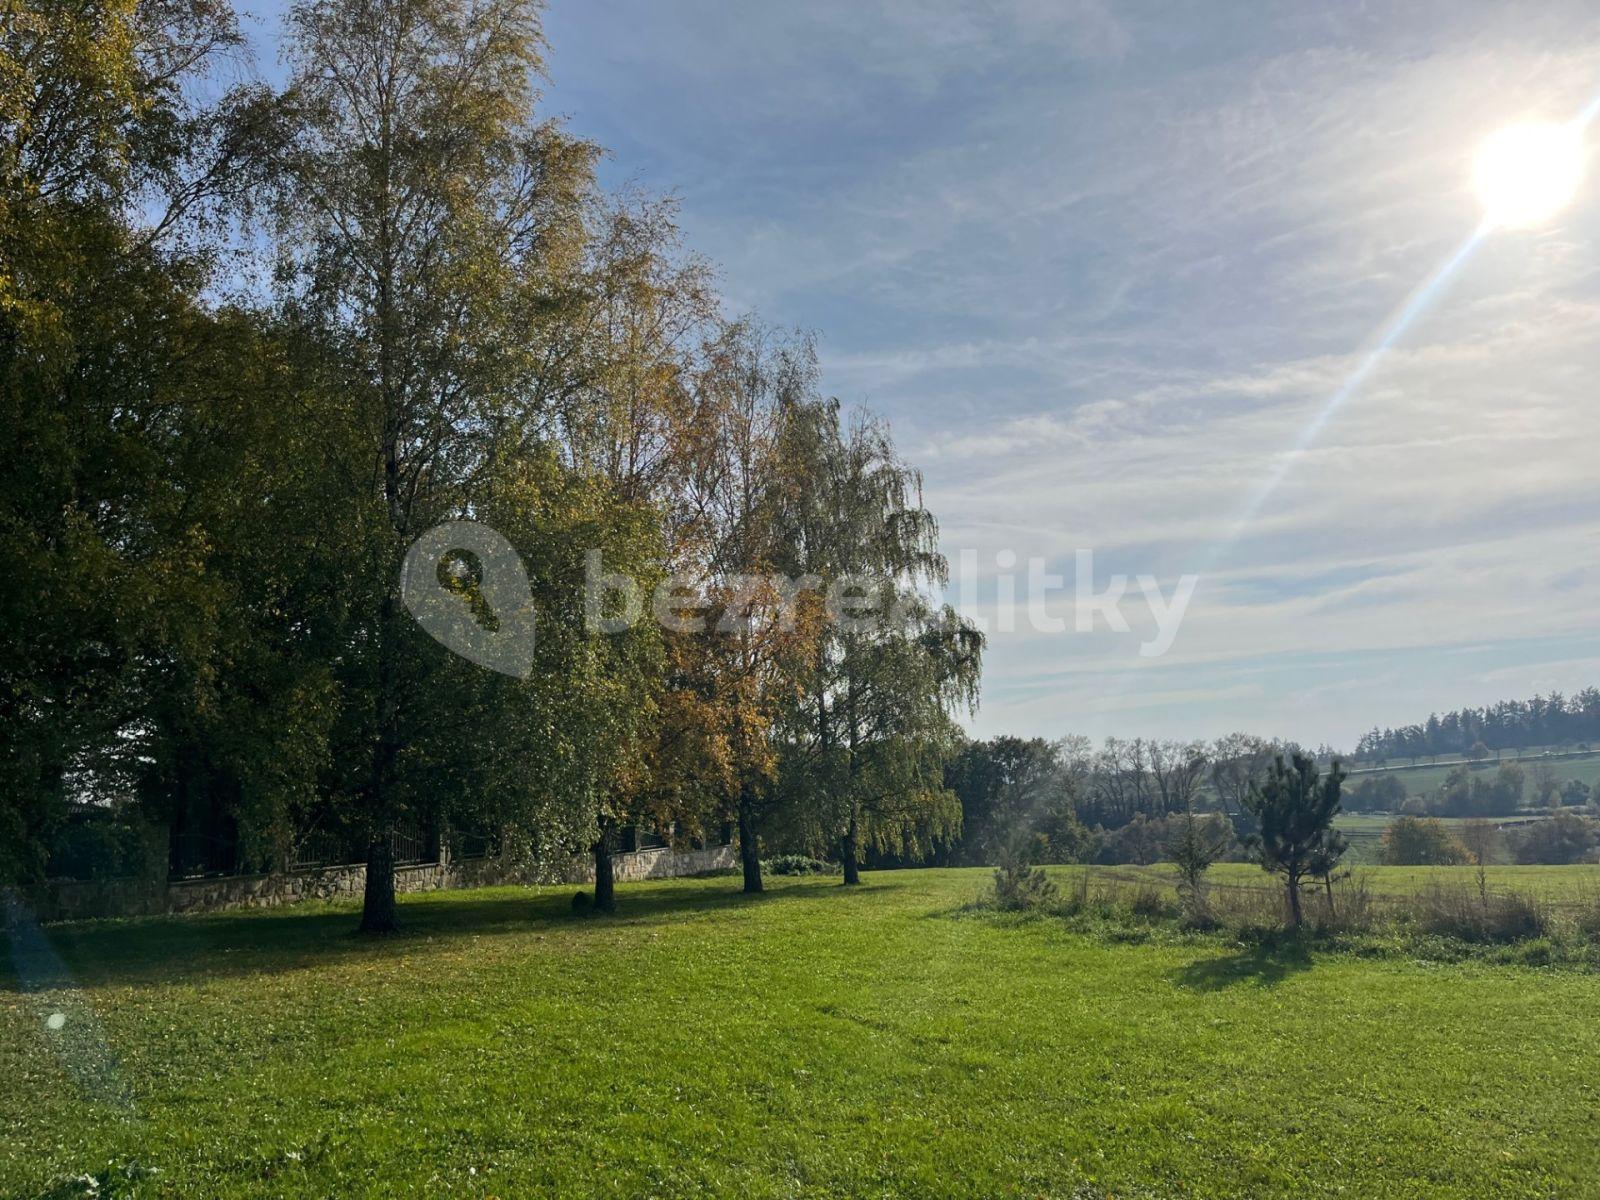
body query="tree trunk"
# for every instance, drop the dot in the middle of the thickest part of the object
(1293, 884)
(377, 910)
(377, 906)
(847, 853)
(850, 847)
(749, 846)
(605, 884)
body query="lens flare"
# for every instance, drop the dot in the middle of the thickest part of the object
(1526, 174)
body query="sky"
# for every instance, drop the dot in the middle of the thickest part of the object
(1101, 267)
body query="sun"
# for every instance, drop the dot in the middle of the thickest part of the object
(1525, 174)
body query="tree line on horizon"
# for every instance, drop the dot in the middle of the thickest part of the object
(1067, 800)
(1553, 720)
(1136, 800)
(1241, 798)
(255, 342)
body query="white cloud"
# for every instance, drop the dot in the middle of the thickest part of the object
(1102, 269)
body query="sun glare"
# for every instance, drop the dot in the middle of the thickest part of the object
(1525, 174)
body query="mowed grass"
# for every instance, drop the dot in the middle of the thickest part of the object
(818, 1041)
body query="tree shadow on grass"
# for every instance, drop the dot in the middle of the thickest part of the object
(294, 937)
(1264, 965)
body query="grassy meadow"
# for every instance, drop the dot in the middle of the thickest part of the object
(1574, 886)
(817, 1041)
(1426, 777)
(1365, 832)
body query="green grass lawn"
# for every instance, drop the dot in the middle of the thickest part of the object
(817, 1041)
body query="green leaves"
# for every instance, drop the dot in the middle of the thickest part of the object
(113, 379)
(1294, 809)
(209, 501)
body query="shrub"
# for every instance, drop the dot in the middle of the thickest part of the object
(1347, 907)
(1194, 842)
(1077, 899)
(799, 864)
(1496, 918)
(1563, 838)
(1422, 842)
(1250, 914)
(1151, 903)
(1019, 887)
(1589, 919)
(1199, 914)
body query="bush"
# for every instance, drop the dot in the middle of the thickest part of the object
(1199, 915)
(799, 864)
(1152, 903)
(1249, 914)
(1422, 842)
(1348, 908)
(1589, 919)
(1194, 842)
(1496, 918)
(1563, 838)
(1020, 888)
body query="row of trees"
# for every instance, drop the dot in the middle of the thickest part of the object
(1115, 802)
(1285, 826)
(1553, 720)
(1079, 803)
(1473, 791)
(255, 343)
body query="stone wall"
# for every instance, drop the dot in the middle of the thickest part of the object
(71, 900)
(662, 863)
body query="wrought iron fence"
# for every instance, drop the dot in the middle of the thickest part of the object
(321, 848)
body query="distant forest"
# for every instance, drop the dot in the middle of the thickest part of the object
(1553, 720)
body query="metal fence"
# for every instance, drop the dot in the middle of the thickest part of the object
(96, 845)
(320, 848)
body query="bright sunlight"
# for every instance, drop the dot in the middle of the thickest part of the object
(1525, 174)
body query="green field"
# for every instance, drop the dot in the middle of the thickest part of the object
(1365, 830)
(818, 1041)
(1428, 777)
(1572, 886)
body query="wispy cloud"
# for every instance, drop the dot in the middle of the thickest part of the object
(1101, 266)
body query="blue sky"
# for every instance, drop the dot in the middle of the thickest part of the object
(1100, 266)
